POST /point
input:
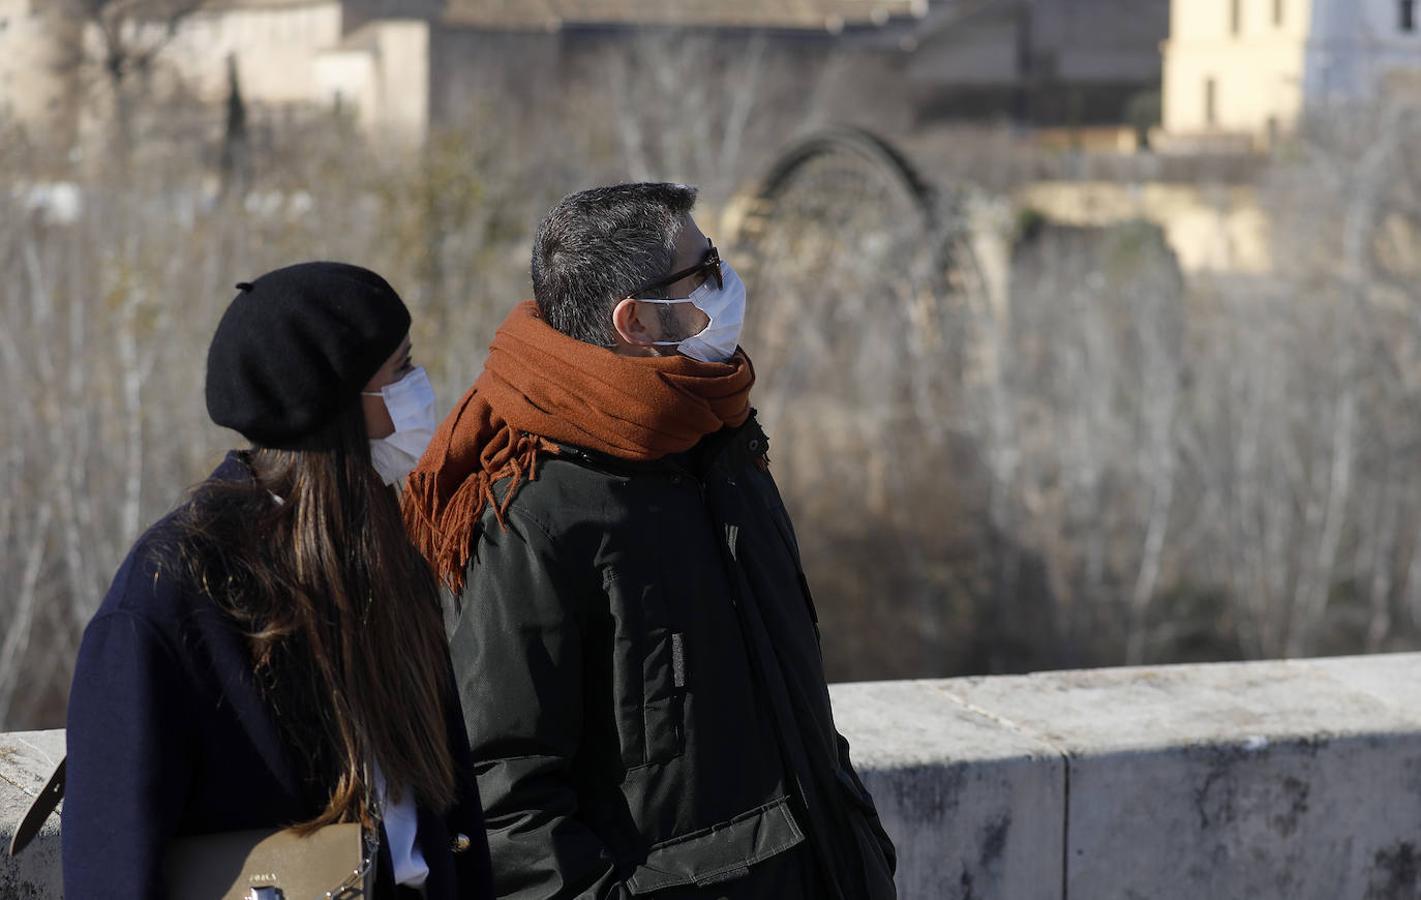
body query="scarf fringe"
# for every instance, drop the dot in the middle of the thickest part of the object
(445, 536)
(540, 388)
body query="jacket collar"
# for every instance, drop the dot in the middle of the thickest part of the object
(235, 467)
(714, 450)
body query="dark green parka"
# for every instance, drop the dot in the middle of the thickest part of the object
(638, 659)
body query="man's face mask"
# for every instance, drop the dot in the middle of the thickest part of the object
(411, 404)
(721, 297)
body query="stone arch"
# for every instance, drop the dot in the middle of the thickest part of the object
(845, 196)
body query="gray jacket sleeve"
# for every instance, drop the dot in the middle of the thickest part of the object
(517, 653)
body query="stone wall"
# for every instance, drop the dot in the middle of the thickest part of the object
(25, 763)
(1296, 780)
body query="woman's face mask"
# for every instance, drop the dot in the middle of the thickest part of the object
(410, 402)
(724, 305)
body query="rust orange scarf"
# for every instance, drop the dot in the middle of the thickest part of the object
(540, 388)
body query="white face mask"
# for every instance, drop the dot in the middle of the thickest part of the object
(725, 307)
(411, 404)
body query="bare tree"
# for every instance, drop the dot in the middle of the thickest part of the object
(118, 43)
(1105, 463)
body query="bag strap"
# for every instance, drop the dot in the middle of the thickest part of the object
(40, 808)
(49, 796)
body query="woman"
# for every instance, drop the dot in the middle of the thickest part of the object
(272, 654)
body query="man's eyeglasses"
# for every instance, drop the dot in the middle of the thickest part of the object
(709, 267)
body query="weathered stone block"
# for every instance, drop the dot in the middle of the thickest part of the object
(975, 808)
(1266, 781)
(26, 759)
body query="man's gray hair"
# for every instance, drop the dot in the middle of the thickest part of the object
(597, 246)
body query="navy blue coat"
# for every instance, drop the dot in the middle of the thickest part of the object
(169, 735)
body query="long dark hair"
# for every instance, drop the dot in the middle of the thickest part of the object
(342, 615)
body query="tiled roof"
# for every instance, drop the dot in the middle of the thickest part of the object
(830, 15)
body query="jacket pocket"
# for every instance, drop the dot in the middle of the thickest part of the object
(719, 853)
(649, 668)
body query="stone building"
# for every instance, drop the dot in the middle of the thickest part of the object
(1239, 72)
(403, 66)
(1045, 63)
(32, 62)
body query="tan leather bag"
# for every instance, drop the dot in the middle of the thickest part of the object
(333, 862)
(336, 862)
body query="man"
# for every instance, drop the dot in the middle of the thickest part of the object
(637, 651)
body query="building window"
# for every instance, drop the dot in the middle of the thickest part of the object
(1236, 16)
(1408, 16)
(1211, 102)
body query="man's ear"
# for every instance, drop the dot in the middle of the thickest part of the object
(628, 318)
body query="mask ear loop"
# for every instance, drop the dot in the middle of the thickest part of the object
(705, 287)
(668, 302)
(381, 393)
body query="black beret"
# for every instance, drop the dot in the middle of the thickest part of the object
(297, 345)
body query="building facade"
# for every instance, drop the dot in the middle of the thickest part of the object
(402, 66)
(33, 86)
(1238, 73)
(1042, 63)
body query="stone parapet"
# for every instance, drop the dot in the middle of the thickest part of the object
(1297, 780)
